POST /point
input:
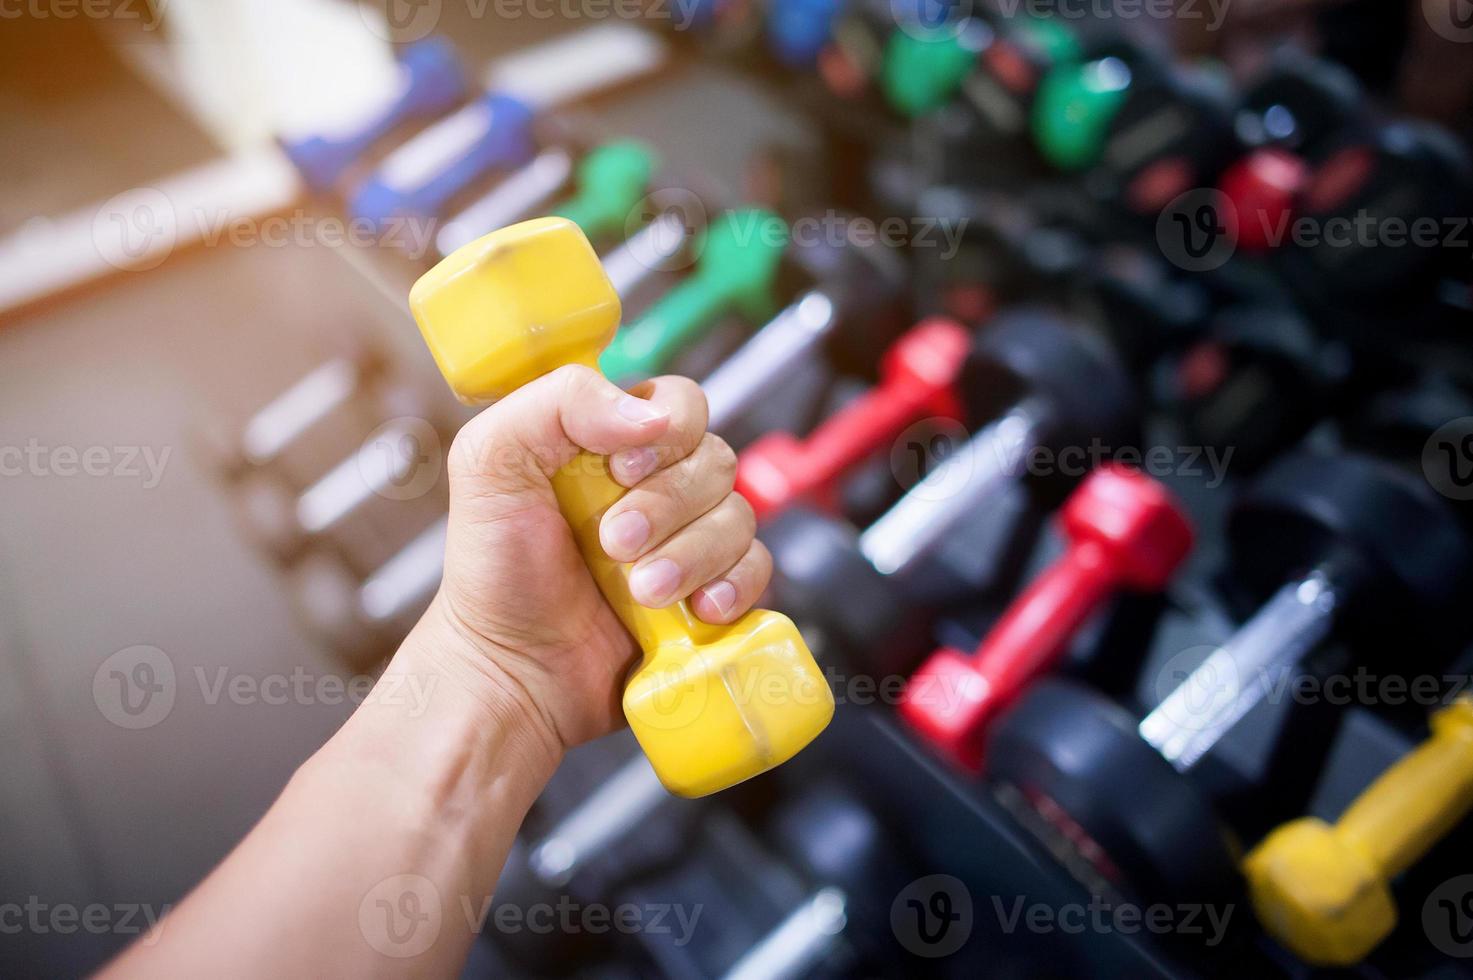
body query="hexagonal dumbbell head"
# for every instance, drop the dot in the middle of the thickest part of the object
(1133, 518)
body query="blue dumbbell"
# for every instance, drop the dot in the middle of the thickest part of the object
(798, 29)
(431, 83)
(417, 180)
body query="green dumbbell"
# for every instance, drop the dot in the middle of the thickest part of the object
(611, 181)
(1075, 107)
(922, 71)
(736, 272)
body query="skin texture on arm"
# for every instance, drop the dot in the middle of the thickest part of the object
(380, 855)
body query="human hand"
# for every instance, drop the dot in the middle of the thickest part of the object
(515, 586)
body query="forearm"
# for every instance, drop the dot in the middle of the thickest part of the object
(381, 853)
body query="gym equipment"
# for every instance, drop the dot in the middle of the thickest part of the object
(855, 311)
(1324, 890)
(610, 181)
(1125, 532)
(853, 870)
(1151, 130)
(737, 266)
(430, 83)
(331, 388)
(798, 30)
(917, 381)
(495, 133)
(287, 524)
(1045, 386)
(1403, 174)
(1326, 539)
(364, 620)
(522, 302)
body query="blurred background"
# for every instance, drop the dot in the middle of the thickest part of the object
(221, 438)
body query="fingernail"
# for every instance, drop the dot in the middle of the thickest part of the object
(633, 465)
(639, 410)
(722, 595)
(625, 533)
(656, 582)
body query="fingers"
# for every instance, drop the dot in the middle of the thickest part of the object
(699, 553)
(737, 590)
(685, 403)
(662, 504)
(528, 435)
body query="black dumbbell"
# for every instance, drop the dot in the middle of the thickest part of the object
(1299, 103)
(1035, 384)
(1410, 180)
(1340, 546)
(852, 868)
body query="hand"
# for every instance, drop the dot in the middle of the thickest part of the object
(515, 585)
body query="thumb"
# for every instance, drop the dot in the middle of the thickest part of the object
(518, 443)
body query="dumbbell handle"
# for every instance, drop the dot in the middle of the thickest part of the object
(1239, 674)
(312, 399)
(634, 263)
(799, 943)
(871, 420)
(619, 805)
(1037, 626)
(531, 187)
(744, 377)
(961, 485)
(410, 577)
(1412, 805)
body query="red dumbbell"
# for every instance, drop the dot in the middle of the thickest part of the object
(1263, 187)
(1126, 531)
(917, 381)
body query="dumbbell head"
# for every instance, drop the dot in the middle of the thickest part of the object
(507, 311)
(1300, 104)
(1134, 520)
(1109, 796)
(1306, 507)
(1033, 353)
(863, 619)
(1263, 187)
(325, 594)
(1413, 173)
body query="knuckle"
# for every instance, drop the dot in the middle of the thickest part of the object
(721, 459)
(688, 393)
(574, 380)
(745, 517)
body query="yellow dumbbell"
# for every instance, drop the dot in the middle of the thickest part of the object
(711, 705)
(1325, 891)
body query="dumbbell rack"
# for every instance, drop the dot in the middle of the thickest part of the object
(957, 825)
